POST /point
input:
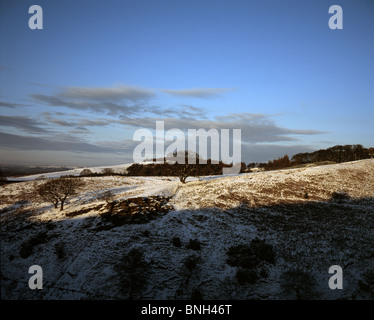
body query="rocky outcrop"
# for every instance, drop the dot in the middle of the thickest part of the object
(136, 210)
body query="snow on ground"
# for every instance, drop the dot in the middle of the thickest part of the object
(85, 257)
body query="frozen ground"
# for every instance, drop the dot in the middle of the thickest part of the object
(183, 254)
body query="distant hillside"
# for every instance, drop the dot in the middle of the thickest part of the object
(17, 171)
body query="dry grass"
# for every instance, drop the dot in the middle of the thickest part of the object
(284, 186)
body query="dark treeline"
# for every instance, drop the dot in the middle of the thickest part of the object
(168, 169)
(336, 154)
(282, 162)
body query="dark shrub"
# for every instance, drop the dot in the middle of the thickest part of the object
(191, 262)
(264, 273)
(299, 283)
(50, 226)
(132, 271)
(262, 250)
(194, 244)
(340, 196)
(26, 250)
(250, 256)
(27, 247)
(237, 255)
(177, 242)
(246, 276)
(367, 282)
(241, 255)
(60, 250)
(196, 295)
(146, 233)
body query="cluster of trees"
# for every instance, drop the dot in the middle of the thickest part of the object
(104, 172)
(282, 162)
(177, 169)
(181, 169)
(335, 154)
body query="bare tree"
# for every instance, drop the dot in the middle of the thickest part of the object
(184, 171)
(48, 192)
(58, 190)
(186, 165)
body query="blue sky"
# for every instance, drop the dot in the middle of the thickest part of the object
(74, 92)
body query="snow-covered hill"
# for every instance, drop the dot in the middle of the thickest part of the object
(185, 253)
(73, 172)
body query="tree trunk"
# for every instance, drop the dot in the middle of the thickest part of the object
(112, 204)
(62, 202)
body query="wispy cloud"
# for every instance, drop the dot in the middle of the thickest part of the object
(118, 93)
(256, 128)
(11, 105)
(202, 93)
(123, 101)
(110, 100)
(82, 104)
(182, 111)
(74, 121)
(23, 123)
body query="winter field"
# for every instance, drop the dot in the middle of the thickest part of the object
(265, 235)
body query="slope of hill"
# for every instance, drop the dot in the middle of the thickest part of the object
(266, 235)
